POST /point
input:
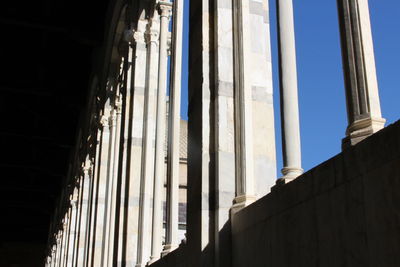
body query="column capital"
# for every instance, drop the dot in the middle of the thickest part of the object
(104, 121)
(118, 104)
(132, 36)
(113, 118)
(74, 203)
(165, 9)
(87, 167)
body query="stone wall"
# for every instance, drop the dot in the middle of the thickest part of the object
(344, 212)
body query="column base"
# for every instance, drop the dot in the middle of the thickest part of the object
(240, 202)
(361, 129)
(289, 174)
(152, 260)
(167, 249)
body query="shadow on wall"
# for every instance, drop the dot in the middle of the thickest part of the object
(344, 212)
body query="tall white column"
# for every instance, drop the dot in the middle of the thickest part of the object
(245, 187)
(86, 182)
(159, 170)
(89, 223)
(109, 190)
(68, 233)
(58, 252)
(78, 226)
(288, 89)
(65, 239)
(94, 200)
(113, 180)
(132, 149)
(147, 168)
(363, 105)
(99, 231)
(72, 232)
(172, 227)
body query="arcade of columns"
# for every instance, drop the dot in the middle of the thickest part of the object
(110, 212)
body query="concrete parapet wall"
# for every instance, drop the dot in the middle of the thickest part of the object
(344, 212)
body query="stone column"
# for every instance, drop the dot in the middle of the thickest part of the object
(215, 60)
(362, 97)
(78, 226)
(53, 257)
(58, 252)
(174, 129)
(88, 219)
(288, 90)
(113, 180)
(86, 181)
(66, 226)
(99, 231)
(109, 188)
(147, 167)
(71, 242)
(65, 239)
(94, 199)
(244, 172)
(133, 118)
(159, 172)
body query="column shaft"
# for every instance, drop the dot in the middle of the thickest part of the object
(244, 171)
(159, 172)
(94, 200)
(109, 190)
(174, 128)
(84, 212)
(99, 232)
(68, 234)
(133, 117)
(78, 220)
(72, 232)
(288, 90)
(65, 238)
(362, 97)
(147, 168)
(113, 182)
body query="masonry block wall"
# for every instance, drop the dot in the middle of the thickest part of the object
(344, 212)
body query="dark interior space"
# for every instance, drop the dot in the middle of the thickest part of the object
(47, 49)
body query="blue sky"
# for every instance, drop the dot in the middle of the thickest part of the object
(321, 89)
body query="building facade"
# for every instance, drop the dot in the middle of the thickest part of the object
(111, 212)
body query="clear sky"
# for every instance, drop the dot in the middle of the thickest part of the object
(320, 79)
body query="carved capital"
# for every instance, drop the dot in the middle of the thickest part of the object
(74, 204)
(132, 36)
(87, 167)
(165, 9)
(104, 121)
(118, 104)
(113, 118)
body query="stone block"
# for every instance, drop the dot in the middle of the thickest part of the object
(324, 176)
(328, 237)
(304, 184)
(351, 164)
(382, 209)
(355, 232)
